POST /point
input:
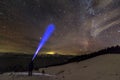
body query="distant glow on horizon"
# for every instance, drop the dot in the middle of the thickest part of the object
(47, 34)
(51, 53)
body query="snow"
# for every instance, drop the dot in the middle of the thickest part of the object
(104, 67)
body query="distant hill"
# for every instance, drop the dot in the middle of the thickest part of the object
(109, 50)
(19, 62)
(78, 58)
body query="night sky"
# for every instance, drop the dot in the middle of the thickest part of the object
(82, 26)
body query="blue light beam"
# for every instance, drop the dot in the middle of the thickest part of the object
(49, 30)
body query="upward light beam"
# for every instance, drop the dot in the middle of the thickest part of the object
(49, 30)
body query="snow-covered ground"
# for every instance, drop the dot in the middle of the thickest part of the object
(104, 67)
(24, 76)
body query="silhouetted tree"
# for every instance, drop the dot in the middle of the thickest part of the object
(109, 50)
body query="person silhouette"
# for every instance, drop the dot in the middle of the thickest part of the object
(31, 66)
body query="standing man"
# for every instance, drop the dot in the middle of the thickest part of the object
(31, 66)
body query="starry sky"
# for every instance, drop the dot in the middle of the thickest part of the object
(82, 26)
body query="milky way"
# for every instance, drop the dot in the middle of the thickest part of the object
(82, 26)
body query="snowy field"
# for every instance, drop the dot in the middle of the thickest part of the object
(104, 67)
(24, 76)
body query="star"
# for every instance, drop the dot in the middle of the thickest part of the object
(82, 26)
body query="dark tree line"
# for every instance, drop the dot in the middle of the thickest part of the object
(109, 50)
